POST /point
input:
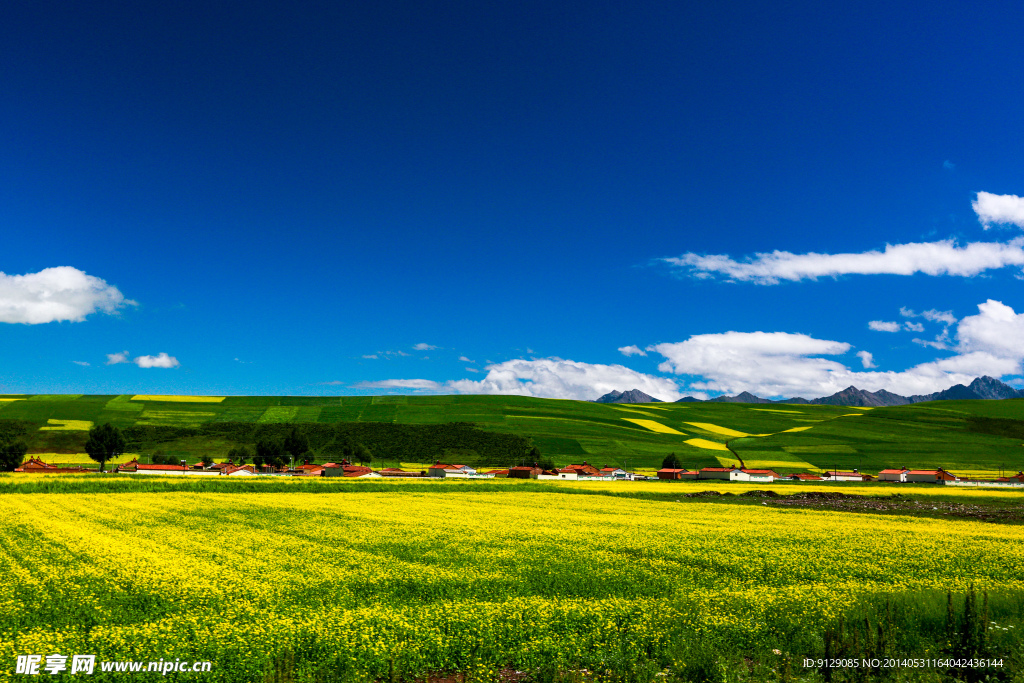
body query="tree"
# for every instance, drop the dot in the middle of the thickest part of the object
(361, 453)
(240, 455)
(270, 452)
(11, 455)
(671, 462)
(296, 443)
(105, 443)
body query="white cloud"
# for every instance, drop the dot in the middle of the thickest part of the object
(783, 364)
(115, 358)
(83, 363)
(466, 360)
(948, 165)
(930, 258)
(632, 351)
(999, 208)
(866, 359)
(882, 326)
(996, 330)
(914, 327)
(401, 384)
(370, 356)
(55, 294)
(944, 317)
(547, 378)
(161, 360)
(472, 370)
(424, 347)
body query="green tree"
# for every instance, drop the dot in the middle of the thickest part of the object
(240, 455)
(296, 443)
(671, 462)
(270, 452)
(105, 443)
(12, 453)
(361, 453)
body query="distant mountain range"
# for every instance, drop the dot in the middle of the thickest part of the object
(981, 388)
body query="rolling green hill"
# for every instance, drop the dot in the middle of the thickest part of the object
(962, 436)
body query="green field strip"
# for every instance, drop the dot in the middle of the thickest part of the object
(307, 414)
(278, 414)
(331, 414)
(240, 414)
(250, 401)
(820, 449)
(379, 413)
(123, 403)
(390, 400)
(54, 397)
(310, 401)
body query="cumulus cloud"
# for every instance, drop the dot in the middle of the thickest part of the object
(996, 330)
(930, 258)
(783, 364)
(115, 358)
(882, 326)
(944, 317)
(632, 351)
(424, 347)
(866, 359)
(56, 294)
(161, 360)
(914, 327)
(993, 209)
(547, 378)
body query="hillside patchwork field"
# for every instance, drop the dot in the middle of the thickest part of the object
(965, 437)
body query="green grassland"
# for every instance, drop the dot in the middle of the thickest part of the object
(962, 436)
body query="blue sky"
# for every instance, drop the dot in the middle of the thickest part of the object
(509, 197)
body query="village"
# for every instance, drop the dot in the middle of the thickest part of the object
(574, 472)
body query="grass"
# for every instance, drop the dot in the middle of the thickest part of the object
(962, 436)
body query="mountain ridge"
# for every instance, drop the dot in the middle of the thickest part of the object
(982, 388)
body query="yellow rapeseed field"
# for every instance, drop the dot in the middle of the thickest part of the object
(178, 399)
(372, 582)
(653, 426)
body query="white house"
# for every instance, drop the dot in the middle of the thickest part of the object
(899, 475)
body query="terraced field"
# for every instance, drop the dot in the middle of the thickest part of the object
(966, 437)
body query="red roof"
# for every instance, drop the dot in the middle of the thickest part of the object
(771, 472)
(160, 468)
(718, 469)
(893, 471)
(669, 469)
(934, 472)
(528, 469)
(807, 477)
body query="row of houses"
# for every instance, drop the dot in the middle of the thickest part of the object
(902, 475)
(581, 472)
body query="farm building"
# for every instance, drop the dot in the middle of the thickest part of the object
(585, 468)
(36, 466)
(1019, 478)
(349, 471)
(899, 475)
(670, 473)
(716, 473)
(523, 472)
(930, 476)
(760, 475)
(398, 472)
(803, 477)
(239, 471)
(441, 470)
